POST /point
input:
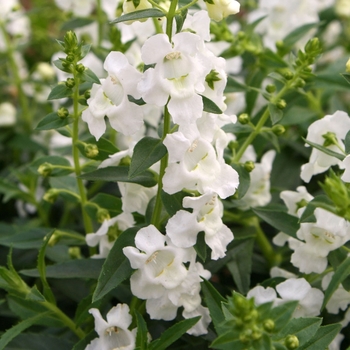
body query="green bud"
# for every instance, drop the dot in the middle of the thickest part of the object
(80, 68)
(67, 66)
(291, 342)
(70, 42)
(347, 66)
(74, 252)
(63, 112)
(270, 88)
(53, 239)
(125, 161)
(233, 145)
(301, 204)
(87, 94)
(211, 78)
(280, 45)
(299, 83)
(91, 150)
(244, 118)
(307, 69)
(269, 325)
(256, 333)
(245, 336)
(70, 83)
(288, 75)
(278, 129)
(113, 232)
(102, 215)
(70, 58)
(281, 104)
(45, 169)
(241, 35)
(313, 46)
(51, 195)
(249, 166)
(252, 316)
(330, 138)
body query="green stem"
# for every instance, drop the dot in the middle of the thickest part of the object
(157, 6)
(75, 140)
(169, 19)
(100, 21)
(186, 6)
(157, 26)
(23, 101)
(265, 246)
(65, 319)
(163, 164)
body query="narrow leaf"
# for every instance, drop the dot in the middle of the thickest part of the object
(210, 107)
(235, 86)
(295, 35)
(89, 75)
(76, 23)
(340, 274)
(325, 150)
(53, 121)
(282, 221)
(116, 267)
(19, 328)
(60, 91)
(147, 151)
(120, 173)
(347, 142)
(173, 333)
(275, 113)
(136, 15)
(141, 335)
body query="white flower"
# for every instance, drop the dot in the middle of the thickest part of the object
(346, 164)
(328, 233)
(108, 233)
(262, 295)
(194, 164)
(310, 299)
(7, 114)
(222, 8)
(337, 124)
(292, 199)
(258, 193)
(114, 333)
(178, 74)
(79, 8)
(111, 99)
(183, 227)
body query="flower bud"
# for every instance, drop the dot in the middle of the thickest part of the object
(63, 112)
(233, 145)
(102, 215)
(281, 104)
(313, 46)
(70, 83)
(269, 325)
(74, 252)
(249, 166)
(288, 75)
(91, 150)
(299, 83)
(278, 129)
(347, 67)
(80, 68)
(220, 9)
(87, 94)
(291, 342)
(70, 42)
(330, 138)
(51, 195)
(70, 58)
(45, 169)
(270, 88)
(244, 118)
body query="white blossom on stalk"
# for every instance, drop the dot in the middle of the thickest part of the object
(7, 114)
(106, 235)
(346, 165)
(113, 333)
(220, 9)
(194, 164)
(178, 74)
(336, 125)
(184, 226)
(317, 239)
(111, 99)
(79, 8)
(198, 23)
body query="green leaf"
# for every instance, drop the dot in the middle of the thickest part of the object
(228, 338)
(35, 295)
(78, 268)
(53, 121)
(235, 86)
(120, 173)
(241, 265)
(295, 35)
(68, 183)
(76, 23)
(244, 180)
(60, 91)
(201, 246)
(282, 314)
(303, 328)
(321, 201)
(346, 76)
(106, 201)
(347, 142)
(83, 343)
(19, 328)
(214, 301)
(25, 239)
(116, 267)
(340, 274)
(275, 113)
(173, 202)
(141, 335)
(141, 14)
(147, 151)
(53, 160)
(273, 60)
(325, 150)
(282, 221)
(173, 333)
(89, 75)
(180, 19)
(210, 106)
(322, 338)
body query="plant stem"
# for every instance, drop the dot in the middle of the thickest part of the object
(169, 19)
(65, 319)
(75, 140)
(100, 21)
(23, 101)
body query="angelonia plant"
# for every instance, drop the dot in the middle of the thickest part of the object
(175, 175)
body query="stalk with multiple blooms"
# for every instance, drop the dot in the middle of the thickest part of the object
(167, 197)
